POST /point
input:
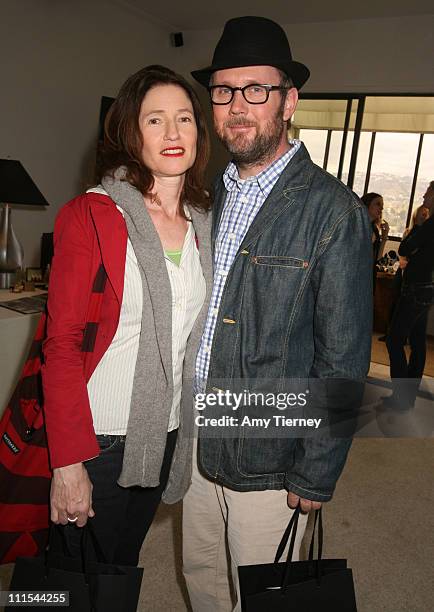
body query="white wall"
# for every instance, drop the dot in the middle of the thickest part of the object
(392, 55)
(57, 59)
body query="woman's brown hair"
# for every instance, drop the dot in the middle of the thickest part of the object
(367, 198)
(122, 145)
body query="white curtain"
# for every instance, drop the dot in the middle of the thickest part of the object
(381, 114)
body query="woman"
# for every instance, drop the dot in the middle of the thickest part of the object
(420, 215)
(380, 228)
(118, 433)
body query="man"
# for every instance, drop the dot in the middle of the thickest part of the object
(410, 316)
(292, 298)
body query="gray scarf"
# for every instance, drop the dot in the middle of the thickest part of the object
(152, 393)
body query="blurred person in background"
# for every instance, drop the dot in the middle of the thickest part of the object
(380, 228)
(410, 317)
(420, 215)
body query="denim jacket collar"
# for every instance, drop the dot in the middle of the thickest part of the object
(296, 178)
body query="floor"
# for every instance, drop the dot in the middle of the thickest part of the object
(381, 517)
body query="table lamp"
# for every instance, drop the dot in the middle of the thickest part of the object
(16, 187)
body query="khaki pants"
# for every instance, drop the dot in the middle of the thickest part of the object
(221, 524)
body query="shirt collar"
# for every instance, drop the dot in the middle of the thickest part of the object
(266, 179)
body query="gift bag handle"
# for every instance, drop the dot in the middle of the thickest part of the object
(291, 530)
(318, 517)
(56, 534)
(89, 536)
(288, 531)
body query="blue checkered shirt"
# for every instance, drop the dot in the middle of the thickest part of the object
(243, 201)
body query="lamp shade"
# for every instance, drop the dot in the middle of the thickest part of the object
(16, 185)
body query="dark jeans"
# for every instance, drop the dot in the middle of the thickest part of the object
(409, 321)
(122, 515)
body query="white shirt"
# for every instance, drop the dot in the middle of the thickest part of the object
(111, 384)
(244, 199)
(188, 294)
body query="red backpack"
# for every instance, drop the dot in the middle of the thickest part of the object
(25, 473)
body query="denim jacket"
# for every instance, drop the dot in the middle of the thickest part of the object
(297, 303)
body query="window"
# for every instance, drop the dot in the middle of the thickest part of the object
(362, 162)
(315, 141)
(335, 152)
(373, 143)
(392, 171)
(426, 168)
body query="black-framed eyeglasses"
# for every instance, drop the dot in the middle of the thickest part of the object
(253, 93)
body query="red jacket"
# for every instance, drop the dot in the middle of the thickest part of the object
(88, 230)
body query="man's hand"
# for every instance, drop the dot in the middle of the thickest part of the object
(71, 495)
(306, 505)
(403, 261)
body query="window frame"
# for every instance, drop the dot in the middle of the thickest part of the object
(361, 98)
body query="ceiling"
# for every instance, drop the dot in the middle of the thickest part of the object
(203, 15)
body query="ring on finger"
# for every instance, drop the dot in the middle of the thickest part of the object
(72, 520)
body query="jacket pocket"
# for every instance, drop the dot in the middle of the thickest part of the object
(279, 261)
(261, 457)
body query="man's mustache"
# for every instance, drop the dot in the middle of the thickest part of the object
(239, 122)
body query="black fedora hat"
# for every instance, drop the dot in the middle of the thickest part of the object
(253, 41)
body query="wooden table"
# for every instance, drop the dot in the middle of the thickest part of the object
(385, 296)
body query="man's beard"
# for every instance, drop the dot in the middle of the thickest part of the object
(262, 148)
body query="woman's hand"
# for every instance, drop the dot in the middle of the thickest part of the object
(71, 495)
(384, 227)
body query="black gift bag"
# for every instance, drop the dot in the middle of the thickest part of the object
(316, 585)
(93, 586)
